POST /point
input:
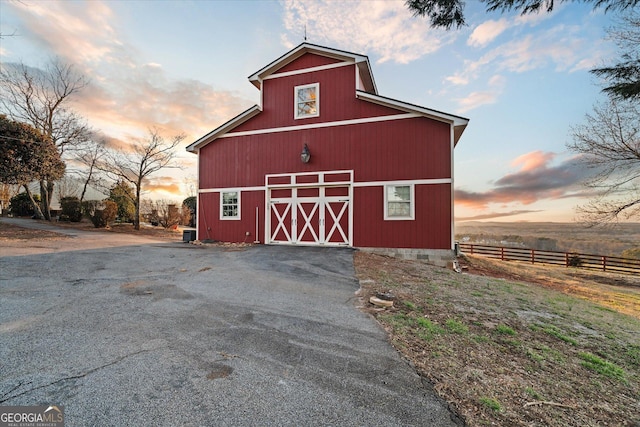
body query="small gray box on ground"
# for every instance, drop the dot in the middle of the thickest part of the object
(188, 235)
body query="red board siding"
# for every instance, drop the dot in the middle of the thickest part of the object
(210, 227)
(308, 60)
(337, 100)
(430, 229)
(417, 148)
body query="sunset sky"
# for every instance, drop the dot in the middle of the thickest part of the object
(183, 65)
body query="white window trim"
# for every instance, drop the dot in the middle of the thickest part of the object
(412, 202)
(230, 218)
(296, 116)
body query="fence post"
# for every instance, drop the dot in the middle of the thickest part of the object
(604, 263)
(566, 259)
(502, 254)
(533, 256)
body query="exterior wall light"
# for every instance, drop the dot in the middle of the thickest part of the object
(305, 155)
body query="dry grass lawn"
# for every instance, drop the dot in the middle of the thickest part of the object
(515, 344)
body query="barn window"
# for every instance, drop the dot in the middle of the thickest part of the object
(307, 101)
(398, 202)
(230, 205)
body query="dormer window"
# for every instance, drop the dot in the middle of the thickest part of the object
(307, 101)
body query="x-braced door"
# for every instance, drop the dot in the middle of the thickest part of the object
(310, 215)
(280, 215)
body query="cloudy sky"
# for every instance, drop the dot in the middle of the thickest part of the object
(182, 66)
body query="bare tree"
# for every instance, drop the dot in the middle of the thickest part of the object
(168, 214)
(91, 153)
(13, 34)
(67, 186)
(147, 158)
(41, 99)
(609, 143)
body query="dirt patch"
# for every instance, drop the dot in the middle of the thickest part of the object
(614, 280)
(157, 291)
(227, 246)
(145, 229)
(218, 371)
(137, 288)
(508, 345)
(12, 232)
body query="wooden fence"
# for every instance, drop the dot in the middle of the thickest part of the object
(568, 259)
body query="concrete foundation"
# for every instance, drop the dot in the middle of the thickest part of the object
(439, 257)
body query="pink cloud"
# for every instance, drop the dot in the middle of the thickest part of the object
(127, 94)
(533, 160)
(495, 215)
(490, 96)
(80, 32)
(536, 180)
(165, 184)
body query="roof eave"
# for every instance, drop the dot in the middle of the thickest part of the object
(257, 77)
(459, 123)
(457, 132)
(364, 68)
(224, 128)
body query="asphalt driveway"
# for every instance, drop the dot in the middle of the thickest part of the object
(165, 334)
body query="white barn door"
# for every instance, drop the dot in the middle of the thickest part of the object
(314, 212)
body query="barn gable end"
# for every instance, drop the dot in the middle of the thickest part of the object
(306, 61)
(378, 172)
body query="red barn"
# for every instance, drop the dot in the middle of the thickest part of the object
(325, 160)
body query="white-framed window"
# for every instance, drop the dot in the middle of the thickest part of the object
(306, 101)
(230, 204)
(399, 202)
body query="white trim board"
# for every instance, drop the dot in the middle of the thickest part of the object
(307, 70)
(221, 189)
(323, 125)
(329, 184)
(423, 111)
(403, 182)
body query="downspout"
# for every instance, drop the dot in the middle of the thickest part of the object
(198, 194)
(453, 222)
